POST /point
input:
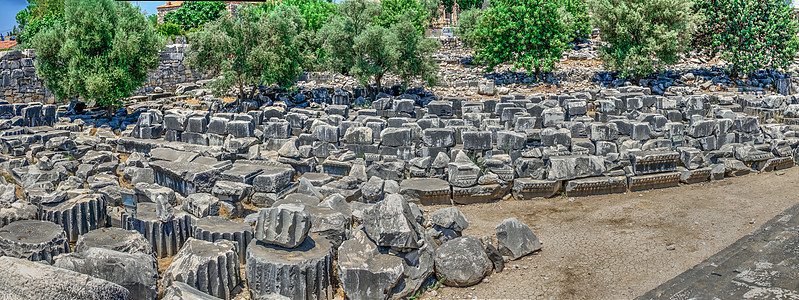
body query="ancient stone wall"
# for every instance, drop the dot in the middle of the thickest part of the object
(18, 80)
(19, 83)
(170, 70)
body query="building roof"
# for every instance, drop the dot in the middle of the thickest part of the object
(171, 4)
(7, 44)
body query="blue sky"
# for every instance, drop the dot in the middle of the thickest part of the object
(9, 9)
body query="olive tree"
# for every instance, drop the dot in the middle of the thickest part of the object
(252, 48)
(101, 51)
(467, 22)
(357, 44)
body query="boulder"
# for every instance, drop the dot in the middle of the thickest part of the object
(516, 239)
(575, 166)
(134, 271)
(116, 239)
(33, 240)
(449, 222)
(390, 223)
(462, 262)
(29, 280)
(303, 272)
(364, 273)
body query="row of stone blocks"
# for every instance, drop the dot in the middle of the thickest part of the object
(436, 191)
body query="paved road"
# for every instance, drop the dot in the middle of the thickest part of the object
(762, 265)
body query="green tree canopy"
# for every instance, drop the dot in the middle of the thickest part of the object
(193, 14)
(463, 4)
(467, 22)
(169, 30)
(532, 34)
(358, 44)
(38, 15)
(338, 35)
(575, 15)
(101, 51)
(314, 12)
(251, 48)
(644, 35)
(418, 12)
(750, 34)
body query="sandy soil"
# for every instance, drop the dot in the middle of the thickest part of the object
(620, 246)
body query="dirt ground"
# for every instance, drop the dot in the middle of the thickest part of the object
(620, 246)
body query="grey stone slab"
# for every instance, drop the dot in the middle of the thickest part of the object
(29, 280)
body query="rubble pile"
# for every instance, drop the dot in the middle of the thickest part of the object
(304, 196)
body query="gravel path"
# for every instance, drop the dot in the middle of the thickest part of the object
(620, 246)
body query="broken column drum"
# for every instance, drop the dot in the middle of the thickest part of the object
(33, 240)
(209, 267)
(300, 273)
(116, 239)
(214, 228)
(166, 238)
(78, 215)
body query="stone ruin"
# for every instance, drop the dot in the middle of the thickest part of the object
(279, 194)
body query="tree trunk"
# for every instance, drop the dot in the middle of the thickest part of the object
(378, 77)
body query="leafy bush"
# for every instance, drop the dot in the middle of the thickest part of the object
(101, 51)
(338, 35)
(193, 14)
(419, 12)
(35, 26)
(314, 12)
(575, 15)
(644, 35)
(750, 34)
(38, 15)
(467, 22)
(252, 48)
(170, 29)
(464, 5)
(153, 20)
(532, 34)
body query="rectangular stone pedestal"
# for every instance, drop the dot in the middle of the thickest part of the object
(654, 181)
(596, 186)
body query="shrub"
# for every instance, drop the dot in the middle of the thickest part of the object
(750, 34)
(170, 29)
(37, 16)
(193, 14)
(644, 35)
(467, 22)
(101, 51)
(314, 12)
(532, 34)
(575, 15)
(418, 12)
